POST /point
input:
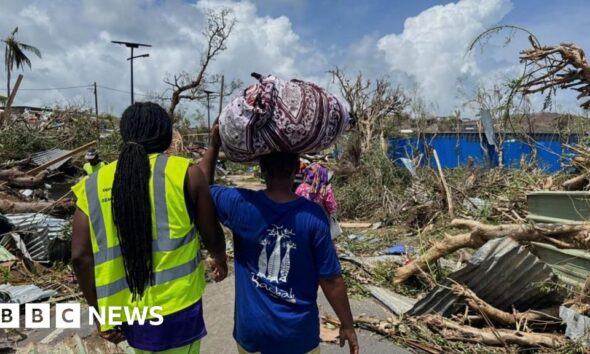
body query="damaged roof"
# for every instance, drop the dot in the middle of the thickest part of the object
(502, 273)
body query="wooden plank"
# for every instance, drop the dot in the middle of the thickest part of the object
(6, 113)
(355, 225)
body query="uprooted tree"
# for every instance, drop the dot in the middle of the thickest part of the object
(192, 88)
(560, 66)
(374, 106)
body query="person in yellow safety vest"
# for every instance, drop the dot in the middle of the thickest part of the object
(94, 163)
(136, 244)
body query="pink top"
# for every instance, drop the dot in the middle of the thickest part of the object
(328, 202)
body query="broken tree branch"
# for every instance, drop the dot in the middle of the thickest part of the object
(444, 184)
(497, 315)
(561, 236)
(487, 336)
(25, 181)
(58, 208)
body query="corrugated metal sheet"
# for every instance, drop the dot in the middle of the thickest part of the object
(37, 231)
(23, 294)
(43, 157)
(502, 273)
(572, 266)
(561, 207)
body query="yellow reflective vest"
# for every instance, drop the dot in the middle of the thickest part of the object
(179, 278)
(90, 169)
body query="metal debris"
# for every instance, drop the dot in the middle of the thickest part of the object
(37, 232)
(578, 326)
(23, 294)
(502, 273)
(43, 157)
(396, 303)
(571, 266)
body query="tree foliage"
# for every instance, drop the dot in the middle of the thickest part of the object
(15, 54)
(373, 105)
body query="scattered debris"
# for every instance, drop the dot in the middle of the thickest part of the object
(23, 294)
(502, 273)
(396, 303)
(578, 325)
(35, 235)
(399, 249)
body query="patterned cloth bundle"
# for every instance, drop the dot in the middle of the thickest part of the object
(281, 116)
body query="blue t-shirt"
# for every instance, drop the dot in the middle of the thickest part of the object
(281, 252)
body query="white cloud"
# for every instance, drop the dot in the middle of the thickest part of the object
(74, 38)
(433, 44)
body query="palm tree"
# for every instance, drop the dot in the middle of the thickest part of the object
(15, 54)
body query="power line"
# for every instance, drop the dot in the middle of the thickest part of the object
(53, 88)
(122, 91)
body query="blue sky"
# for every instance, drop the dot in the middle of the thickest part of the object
(419, 45)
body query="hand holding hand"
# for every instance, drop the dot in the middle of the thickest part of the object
(219, 267)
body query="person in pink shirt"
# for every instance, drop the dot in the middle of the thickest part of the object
(316, 187)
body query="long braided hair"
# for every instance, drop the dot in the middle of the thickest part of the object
(145, 128)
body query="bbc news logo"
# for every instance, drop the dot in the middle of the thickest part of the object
(69, 316)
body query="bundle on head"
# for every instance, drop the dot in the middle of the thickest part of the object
(281, 116)
(145, 129)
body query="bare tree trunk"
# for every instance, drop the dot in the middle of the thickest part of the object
(561, 236)
(499, 316)
(491, 336)
(10, 174)
(25, 181)
(8, 82)
(60, 208)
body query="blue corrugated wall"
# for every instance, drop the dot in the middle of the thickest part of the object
(455, 150)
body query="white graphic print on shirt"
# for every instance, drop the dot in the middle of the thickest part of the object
(275, 269)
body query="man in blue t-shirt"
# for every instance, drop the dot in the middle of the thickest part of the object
(283, 252)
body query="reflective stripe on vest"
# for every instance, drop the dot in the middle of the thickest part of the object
(163, 242)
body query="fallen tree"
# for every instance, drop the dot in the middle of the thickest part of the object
(518, 319)
(490, 336)
(58, 208)
(561, 236)
(26, 181)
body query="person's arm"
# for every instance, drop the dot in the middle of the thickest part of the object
(335, 291)
(331, 282)
(83, 264)
(209, 160)
(330, 201)
(207, 223)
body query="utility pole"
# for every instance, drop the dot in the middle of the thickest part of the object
(221, 96)
(96, 112)
(95, 101)
(132, 46)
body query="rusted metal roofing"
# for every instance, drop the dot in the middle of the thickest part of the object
(502, 272)
(43, 157)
